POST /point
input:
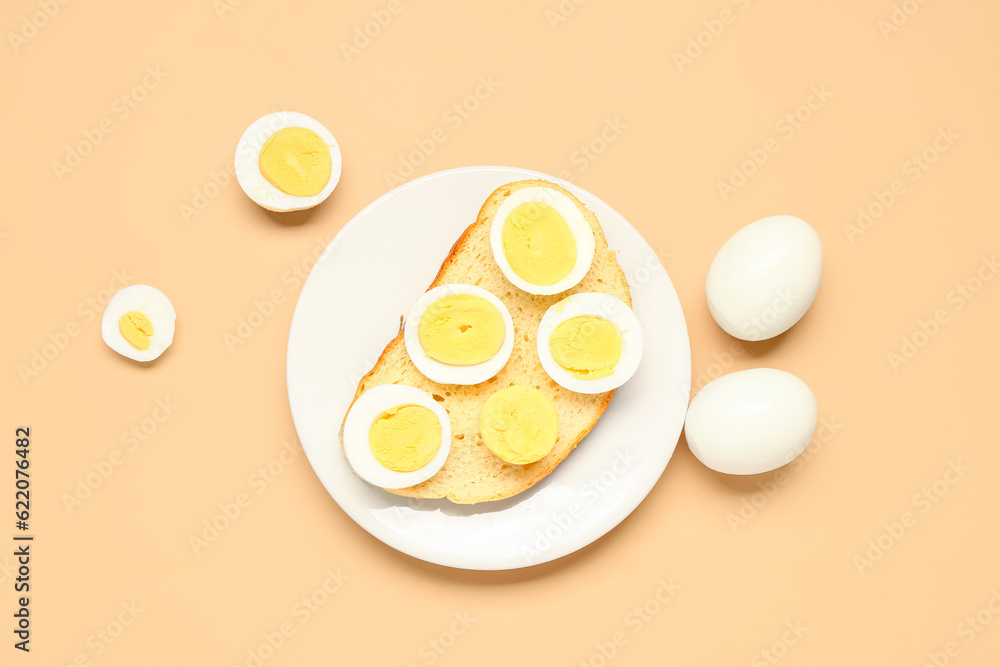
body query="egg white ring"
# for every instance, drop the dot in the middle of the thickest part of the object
(602, 305)
(583, 236)
(446, 373)
(247, 162)
(359, 422)
(149, 301)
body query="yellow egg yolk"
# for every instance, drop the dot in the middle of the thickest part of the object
(538, 244)
(519, 424)
(587, 346)
(461, 330)
(136, 328)
(405, 438)
(296, 161)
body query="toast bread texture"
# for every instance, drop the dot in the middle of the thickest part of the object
(472, 473)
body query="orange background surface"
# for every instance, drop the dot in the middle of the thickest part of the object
(812, 566)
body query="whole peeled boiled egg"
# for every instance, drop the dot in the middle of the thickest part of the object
(541, 240)
(590, 342)
(396, 436)
(287, 161)
(751, 421)
(459, 334)
(138, 322)
(765, 277)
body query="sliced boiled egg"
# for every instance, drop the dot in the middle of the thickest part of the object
(396, 436)
(459, 334)
(590, 342)
(519, 424)
(286, 161)
(541, 240)
(138, 322)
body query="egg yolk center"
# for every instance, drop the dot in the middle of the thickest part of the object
(538, 244)
(136, 328)
(405, 438)
(519, 424)
(296, 161)
(461, 330)
(587, 346)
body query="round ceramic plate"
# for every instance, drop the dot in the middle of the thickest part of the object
(350, 307)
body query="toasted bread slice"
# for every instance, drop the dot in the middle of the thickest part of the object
(472, 473)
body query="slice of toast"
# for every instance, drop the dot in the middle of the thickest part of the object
(472, 473)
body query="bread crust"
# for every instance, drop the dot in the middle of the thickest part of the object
(472, 474)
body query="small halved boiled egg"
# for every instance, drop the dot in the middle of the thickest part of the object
(139, 322)
(396, 436)
(459, 334)
(590, 342)
(286, 161)
(541, 240)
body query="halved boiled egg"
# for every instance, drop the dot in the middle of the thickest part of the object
(459, 334)
(541, 240)
(286, 161)
(139, 322)
(396, 436)
(590, 342)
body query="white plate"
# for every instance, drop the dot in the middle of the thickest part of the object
(349, 309)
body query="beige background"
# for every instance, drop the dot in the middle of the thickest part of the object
(142, 200)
